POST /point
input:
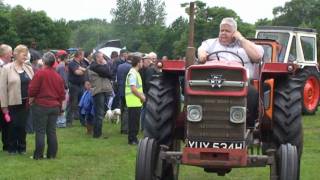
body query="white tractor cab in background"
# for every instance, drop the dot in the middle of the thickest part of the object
(298, 46)
(108, 47)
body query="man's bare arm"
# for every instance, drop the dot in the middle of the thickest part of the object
(250, 48)
(202, 55)
(141, 96)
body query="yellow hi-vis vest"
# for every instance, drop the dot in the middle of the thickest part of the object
(131, 99)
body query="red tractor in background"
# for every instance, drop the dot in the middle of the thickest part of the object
(212, 119)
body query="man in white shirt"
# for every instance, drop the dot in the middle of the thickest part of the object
(230, 39)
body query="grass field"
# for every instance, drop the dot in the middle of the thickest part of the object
(82, 157)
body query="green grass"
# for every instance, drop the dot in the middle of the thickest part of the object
(82, 157)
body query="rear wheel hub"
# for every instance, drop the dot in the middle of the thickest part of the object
(311, 93)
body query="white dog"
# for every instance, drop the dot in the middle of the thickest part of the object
(113, 114)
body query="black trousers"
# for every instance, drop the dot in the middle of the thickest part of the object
(99, 102)
(124, 115)
(45, 124)
(75, 93)
(4, 132)
(133, 122)
(17, 128)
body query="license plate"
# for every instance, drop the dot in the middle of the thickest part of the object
(220, 145)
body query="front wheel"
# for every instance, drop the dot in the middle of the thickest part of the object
(287, 162)
(150, 166)
(146, 161)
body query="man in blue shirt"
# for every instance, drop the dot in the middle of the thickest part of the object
(122, 72)
(76, 79)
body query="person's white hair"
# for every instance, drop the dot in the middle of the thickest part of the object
(230, 21)
(4, 49)
(152, 55)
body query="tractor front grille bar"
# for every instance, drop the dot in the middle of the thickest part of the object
(217, 83)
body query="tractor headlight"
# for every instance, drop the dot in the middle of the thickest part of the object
(237, 114)
(194, 113)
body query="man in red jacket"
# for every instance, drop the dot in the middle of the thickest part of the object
(46, 93)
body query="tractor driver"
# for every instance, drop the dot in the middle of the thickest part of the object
(230, 39)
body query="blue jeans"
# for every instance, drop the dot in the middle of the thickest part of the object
(99, 101)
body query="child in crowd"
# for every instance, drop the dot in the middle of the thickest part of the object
(86, 107)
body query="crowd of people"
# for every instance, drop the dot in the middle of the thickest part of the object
(39, 93)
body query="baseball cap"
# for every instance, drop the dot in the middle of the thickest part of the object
(60, 53)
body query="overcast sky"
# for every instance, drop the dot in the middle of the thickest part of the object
(248, 10)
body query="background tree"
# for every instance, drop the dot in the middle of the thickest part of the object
(120, 15)
(152, 29)
(154, 13)
(60, 36)
(207, 25)
(126, 20)
(32, 26)
(8, 34)
(299, 13)
(167, 45)
(140, 25)
(264, 22)
(87, 34)
(21, 26)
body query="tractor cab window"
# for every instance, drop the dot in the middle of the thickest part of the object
(293, 50)
(308, 47)
(267, 53)
(280, 37)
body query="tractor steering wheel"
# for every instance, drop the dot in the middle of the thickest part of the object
(230, 52)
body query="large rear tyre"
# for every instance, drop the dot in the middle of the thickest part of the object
(287, 125)
(310, 90)
(287, 162)
(161, 109)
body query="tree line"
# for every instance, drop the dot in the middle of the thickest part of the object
(141, 26)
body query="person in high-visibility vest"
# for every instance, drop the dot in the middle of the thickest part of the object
(134, 98)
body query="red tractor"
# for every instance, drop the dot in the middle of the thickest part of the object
(211, 119)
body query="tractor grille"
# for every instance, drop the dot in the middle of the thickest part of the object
(227, 75)
(215, 124)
